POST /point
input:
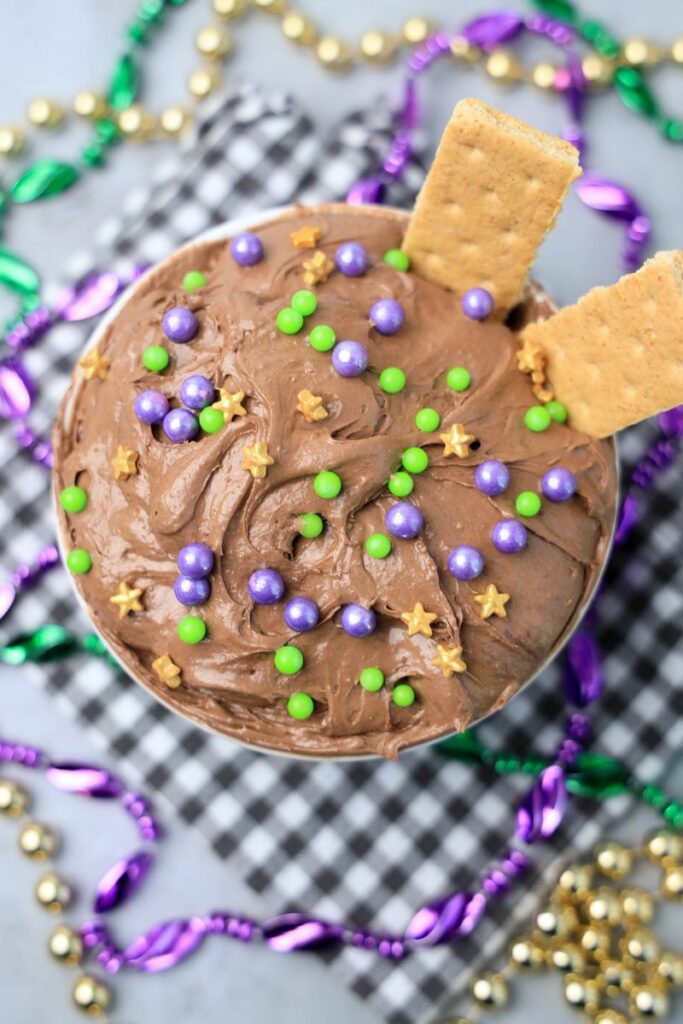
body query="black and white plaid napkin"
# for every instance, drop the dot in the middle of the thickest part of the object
(365, 842)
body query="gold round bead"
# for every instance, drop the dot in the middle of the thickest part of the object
(613, 860)
(576, 880)
(670, 968)
(415, 30)
(637, 904)
(609, 1017)
(91, 995)
(203, 82)
(271, 6)
(12, 140)
(672, 883)
(53, 892)
(89, 104)
(567, 958)
(677, 50)
(543, 75)
(664, 846)
(229, 8)
(596, 70)
(641, 52)
(333, 53)
(647, 1002)
(603, 906)
(463, 50)
(554, 921)
(527, 955)
(213, 42)
(639, 947)
(44, 113)
(298, 28)
(596, 939)
(490, 990)
(377, 47)
(503, 67)
(174, 121)
(616, 976)
(65, 944)
(13, 798)
(37, 841)
(582, 993)
(136, 123)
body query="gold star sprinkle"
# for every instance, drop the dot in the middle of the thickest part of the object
(94, 365)
(318, 268)
(305, 237)
(311, 406)
(492, 603)
(457, 441)
(256, 459)
(128, 599)
(125, 463)
(418, 621)
(449, 660)
(168, 671)
(230, 405)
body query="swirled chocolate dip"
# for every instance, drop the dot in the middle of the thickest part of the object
(458, 614)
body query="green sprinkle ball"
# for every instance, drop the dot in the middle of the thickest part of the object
(191, 629)
(327, 484)
(78, 561)
(537, 418)
(322, 338)
(155, 358)
(403, 695)
(289, 321)
(378, 545)
(415, 460)
(211, 420)
(528, 504)
(397, 259)
(371, 679)
(427, 420)
(401, 484)
(558, 411)
(193, 280)
(301, 706)
(310, 524)
(304, 302)
(392, 380)
(73, 499)
(458, 378)
(288, 660)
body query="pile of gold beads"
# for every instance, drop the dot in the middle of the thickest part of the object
(595, 931)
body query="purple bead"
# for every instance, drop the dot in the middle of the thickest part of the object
(491, 477)
(351, 259)
(509, 536)
(558, 484)
(180, 425)
(151, 406)
(358, 621)
(195, 560)
(404, 520)
(191, 592)
(477, 303)
(197, 391)
(301, 614)
(179, 324)
(387, 316)
(350, 358)
(246, 249)
(465, 562)
(266, 586)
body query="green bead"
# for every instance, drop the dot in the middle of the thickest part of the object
(397, 259)
(378, 545)
(634, 93)
(211, 420)
(92, 155)
(107, 131)
(125, 83)
(310, 524)
(561, 9)
(288, 660)
(466, 747)
(193, 280)
(528, 504)
(557, 410)
(304, 302)
(300, 705)
(322, 338)
(401, 484)
(78, 561)
(155, 358)
(598, 776)
(371, 679)
(427, 420)
(137, 33)
(600, 38)
(191, 629)
(403, 695)
(327, 484)
(671, 129)
(289, 321)
(73, 499)
(392, 380)
(537, 418)
(17, 275)
(151, 10)
(43, 179)
(415, 460)
(458, 378)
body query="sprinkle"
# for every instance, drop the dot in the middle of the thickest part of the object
(528, 504)
(351, 259)
(387, 316)
(179, 324)
(415, 460)
(401, 484)
(255, 459)
(419, 621)
(318, 268)
(477, 303)
(537, 418)
(310, 524)
(465, 562)
(229, 405)
(155, 358)
(94, 365)
(305, 237)
(193, 280)
(289, 320)
(127, 599)
(558, 484)
(78, 561)
(311, 406)
(530, 357)
(404, 520)
(167, 671)
(288, 659)
(73, 499)
(557, 410)
(378, 545)
(304, 302)
(457, 441)
(246, 249)
(371, 678)
(191, 629)
(300, 705)
(458, 378)
(266, 586)
(322, 338)
(397, 259)
(125, 463)
(449, 660)
(427, 420)
(327, 484)
(403, 695)
(392, 380)
(211, 420)
(492, 602)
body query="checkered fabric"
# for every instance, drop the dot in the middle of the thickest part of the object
(363, 842)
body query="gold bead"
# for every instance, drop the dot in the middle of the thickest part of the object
(53, 892)
(203, 82)
(583, 993)
(229, 8)
(45, 113)
(603, 906)
(271, 6)
(12, 140)
(213, 42)
(91, 995)
(89, 104)
(648, 1002)
(554, 921)
(526, 955)
(333, 53)
(174, 121)
(576, 880)
(65, 945)
(639, 946)
(663, 846)
(490, 990)
(613, 860)
(677, 50)
(596, 939)
(596, 70)
(37, 841)
(13, 798)
(463, 50)
(377, 47)
(298, 28)
(503, 67)
(543, 75)
(136, 123)
(617, 977)
(669, 968)
(672, 883)
(567, 958)
(415, 30)
(641, 53)
(637, 904)
(609, 1017)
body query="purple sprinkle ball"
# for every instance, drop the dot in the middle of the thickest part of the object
(477, 303)
(266, 586)
(404, 520)
(151, 406)
(197, 391)
(179, 425)
(351, 259)
(246, 249)
(191, 592)
(465, 562)
(350, 358)
(195, 560)
(491, 477)
(509, 536)
(558, 484)
(179, 324)
(387, 316)
(301, 614)
(358, 621)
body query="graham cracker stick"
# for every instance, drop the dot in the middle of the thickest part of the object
(617, 355)
(493, 192)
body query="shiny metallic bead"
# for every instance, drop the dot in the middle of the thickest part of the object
(596, 939)
(617, 976)
(136, 123)
(603, 906)
(672, 883)
(677, 50)
(65, 945)
(576, 880)
(89, 104)
(203, 82)
(213, 42)
(639, 946)
(641, 52)
(490, 990)
(377, 47)
(582, 993)
(597, 71)
(415, 30)
(91, 995)
(44, 113)
(648, 1002)
(567, 958)
(664, 846)
(229, 8)
(174, 121)
(333, 53)
(270, 6)
(543, 75)
(669, 968)
(613, 860)
(609, 1017)
(298, 28)
(12, 140)
(503, 67)
(53, 892)
(556, 920)
(637, 904)
(463, 50)
(527, 955)
(37, 841)
(13, 798)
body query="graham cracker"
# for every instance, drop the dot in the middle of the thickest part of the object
(616, 357)
(493, 192)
